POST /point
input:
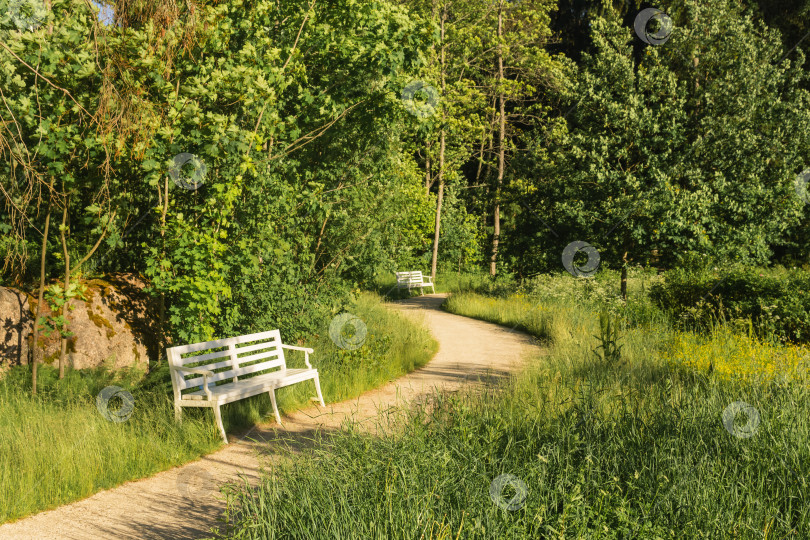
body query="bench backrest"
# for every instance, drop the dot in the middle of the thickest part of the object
(228, 358)
(409, 277)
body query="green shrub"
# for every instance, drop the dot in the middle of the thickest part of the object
(776, 301)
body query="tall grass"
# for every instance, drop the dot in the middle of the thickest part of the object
(57, 447)
(633, 448)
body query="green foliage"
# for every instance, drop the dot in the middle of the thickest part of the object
(692, 145)
(300, 131)
(461, 237)
(57, 299)
(316, 170)
(775, 301)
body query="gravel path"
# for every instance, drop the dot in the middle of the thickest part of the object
(184, 502)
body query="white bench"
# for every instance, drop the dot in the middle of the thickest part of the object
(412, 280)
(254, 364)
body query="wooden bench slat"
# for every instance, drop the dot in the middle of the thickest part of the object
(255, 368)
(257, 347)
(249, 386)
(258, 356)
(216, 377)
(205, 357)
(217, 365)
(226, 342)
(231, 373)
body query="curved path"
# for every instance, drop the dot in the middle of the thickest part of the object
(184, 502)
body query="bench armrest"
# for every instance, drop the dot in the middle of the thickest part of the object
(306, 351)
(198, 371)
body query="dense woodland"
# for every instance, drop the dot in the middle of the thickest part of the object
(256, 161)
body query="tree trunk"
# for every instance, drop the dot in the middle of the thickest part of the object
(480, 159)
(501, 152)
(487, 178)
(428, 179)
(41, 298)
(63, 340)
(434, 259)
(43, 253)
(624, 276)
(439, 200)
(162, 307)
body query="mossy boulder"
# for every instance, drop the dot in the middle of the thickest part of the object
(116, 326)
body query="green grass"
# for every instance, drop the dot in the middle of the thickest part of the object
(634, 448)
(57, 447)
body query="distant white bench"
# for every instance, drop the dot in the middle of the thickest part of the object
(254, 364)
(413, 280)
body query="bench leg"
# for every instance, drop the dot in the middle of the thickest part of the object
(275, 407)
(318, 389)
(218, 416)
(178, 413)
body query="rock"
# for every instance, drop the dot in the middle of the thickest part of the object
(16, 322)
(115, 326)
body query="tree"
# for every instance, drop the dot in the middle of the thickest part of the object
(275, 102)
(670, 153)
(51, 134)
(513, 68)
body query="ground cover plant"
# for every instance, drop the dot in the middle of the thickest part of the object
(58, 447)
(634, 444)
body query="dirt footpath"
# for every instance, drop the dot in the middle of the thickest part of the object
(184, 502)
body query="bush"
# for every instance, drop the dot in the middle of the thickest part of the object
(776, 302)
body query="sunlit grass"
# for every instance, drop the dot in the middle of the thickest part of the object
(54, 451)
(57, 447)
(632, 449)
